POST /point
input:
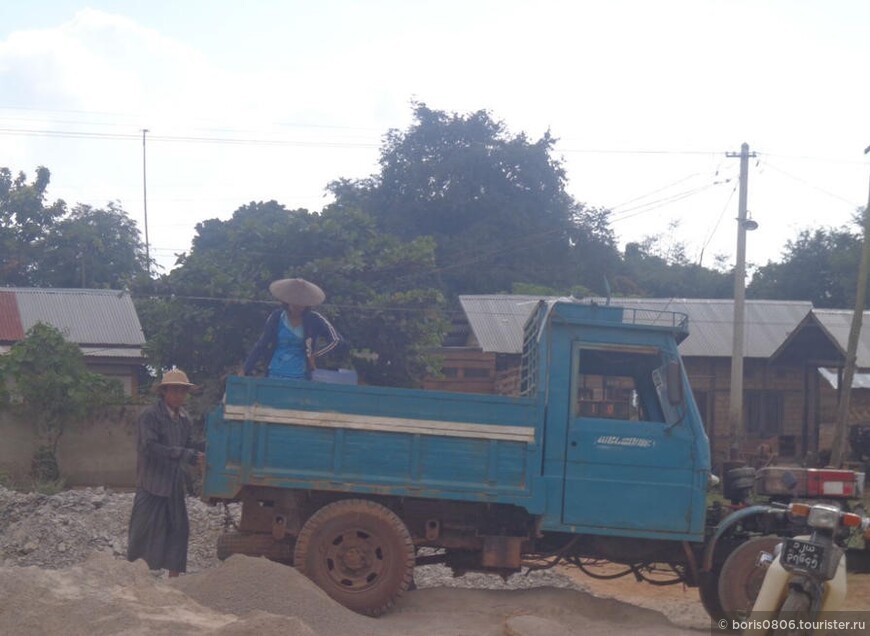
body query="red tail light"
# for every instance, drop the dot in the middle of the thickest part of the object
(823, 482)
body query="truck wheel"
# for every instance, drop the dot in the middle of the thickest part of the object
(359, 552)
(741, 577)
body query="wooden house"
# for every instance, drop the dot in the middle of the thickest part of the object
(102, 322)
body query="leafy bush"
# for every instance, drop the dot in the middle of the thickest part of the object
(47, 382)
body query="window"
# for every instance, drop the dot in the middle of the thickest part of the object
(763, 412)
(617, 383)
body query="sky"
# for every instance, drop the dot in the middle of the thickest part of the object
(272, 99)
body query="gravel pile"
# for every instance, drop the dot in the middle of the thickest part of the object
(64, 529)
(242, 584)
(56, 531)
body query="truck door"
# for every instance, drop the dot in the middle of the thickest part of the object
(629, 460)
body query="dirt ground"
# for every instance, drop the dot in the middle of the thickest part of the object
(63, 571)
(245, 596)
(680, 604)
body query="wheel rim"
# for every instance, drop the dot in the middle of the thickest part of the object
(354, 559)
(741, 579)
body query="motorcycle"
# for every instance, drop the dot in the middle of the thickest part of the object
(806, 574)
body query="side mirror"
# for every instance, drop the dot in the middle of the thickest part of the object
(675, 383)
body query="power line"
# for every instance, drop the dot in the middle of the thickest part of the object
(716, 226)
(658, 203)
(810, 185)
(107, 136)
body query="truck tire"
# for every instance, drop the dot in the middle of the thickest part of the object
(741, 578)
(359, 552)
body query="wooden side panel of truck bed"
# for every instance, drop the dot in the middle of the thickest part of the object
(308, 435)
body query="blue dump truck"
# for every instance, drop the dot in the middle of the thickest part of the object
(602, 458)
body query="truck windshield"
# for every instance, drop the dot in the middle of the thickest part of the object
(618, 383)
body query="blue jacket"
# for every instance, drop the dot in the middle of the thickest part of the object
(314, 326)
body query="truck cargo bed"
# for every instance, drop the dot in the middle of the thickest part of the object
(297, 434)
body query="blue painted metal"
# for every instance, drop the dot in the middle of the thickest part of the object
(579, 474)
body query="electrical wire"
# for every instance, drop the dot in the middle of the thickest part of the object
(810, 185)
(718, 221)
(105, 136)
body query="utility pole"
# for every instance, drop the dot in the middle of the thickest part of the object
(735, 410)
(145, 205)
(839, 443)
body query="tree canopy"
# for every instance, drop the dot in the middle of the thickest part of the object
(206, 314)
(45, 245)
(819, 265)
(458, 205)
(25, 218)
(494, 203)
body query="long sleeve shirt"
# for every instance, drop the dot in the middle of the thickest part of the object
(314, 326)
(163, 444)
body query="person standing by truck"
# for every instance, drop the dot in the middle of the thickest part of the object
(291, 334)
(159, 528)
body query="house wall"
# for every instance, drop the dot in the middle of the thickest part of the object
(100, 452)
(859, 411)
(710, 379)
(126, 374)
(464, 371)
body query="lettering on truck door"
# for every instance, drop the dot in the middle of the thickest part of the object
(628, 460)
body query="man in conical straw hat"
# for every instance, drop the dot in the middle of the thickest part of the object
(159, 528)
(294, 335)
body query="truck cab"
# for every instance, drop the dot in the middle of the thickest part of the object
(625, 450)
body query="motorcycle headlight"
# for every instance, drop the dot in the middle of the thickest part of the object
(824, 517)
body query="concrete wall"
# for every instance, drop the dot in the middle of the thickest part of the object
(101, 452)
(17, 445)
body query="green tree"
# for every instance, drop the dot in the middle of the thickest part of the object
(206, 314)
(25, 217)
(819, 265)
(384, 296)
(656, 267)
(92, 248)
(495, 203)
(46, 382)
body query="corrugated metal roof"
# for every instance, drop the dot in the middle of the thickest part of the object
(838, 324)
(766, 323)
(498, 321)
(859, 380)
(10, 321)
(84, 316)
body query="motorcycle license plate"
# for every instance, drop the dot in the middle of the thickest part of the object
(802, 555)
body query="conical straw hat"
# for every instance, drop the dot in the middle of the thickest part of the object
(297, 291)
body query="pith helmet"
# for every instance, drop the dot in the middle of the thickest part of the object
(174, 377)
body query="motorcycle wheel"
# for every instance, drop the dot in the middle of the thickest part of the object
(796, 607)
(741, 577)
